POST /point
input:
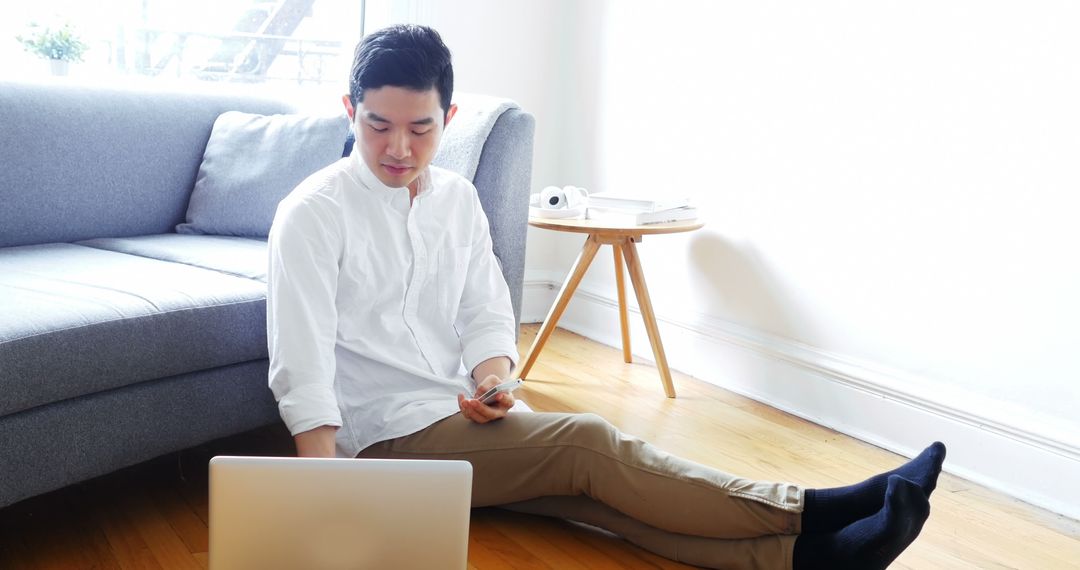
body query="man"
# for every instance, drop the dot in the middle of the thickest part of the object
(383, 285)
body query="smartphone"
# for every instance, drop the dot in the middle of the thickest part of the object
(508, 386)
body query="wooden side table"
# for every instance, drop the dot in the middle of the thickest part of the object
(623, 239)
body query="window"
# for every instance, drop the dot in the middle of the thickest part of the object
(306, 44)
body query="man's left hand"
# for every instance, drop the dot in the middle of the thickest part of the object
(481, 413)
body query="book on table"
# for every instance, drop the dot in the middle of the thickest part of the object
(620, 216)
(632, 203)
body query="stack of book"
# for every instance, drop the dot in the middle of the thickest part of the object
(636, 210)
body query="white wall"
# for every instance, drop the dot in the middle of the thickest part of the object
(899, 178)
(887, 189)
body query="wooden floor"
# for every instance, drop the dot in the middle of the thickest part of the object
(154, 515)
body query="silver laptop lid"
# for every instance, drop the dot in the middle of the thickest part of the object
(292, 513)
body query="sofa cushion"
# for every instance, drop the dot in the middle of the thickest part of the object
(253, 161)
(79, 320)
(242, 257)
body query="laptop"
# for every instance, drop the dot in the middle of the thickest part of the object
(305, 513)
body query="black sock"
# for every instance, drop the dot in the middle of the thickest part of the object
(873, 542)
(826, 510)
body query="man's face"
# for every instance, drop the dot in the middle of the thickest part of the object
(398, 132)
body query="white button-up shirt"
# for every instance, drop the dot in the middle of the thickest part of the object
(377, 311)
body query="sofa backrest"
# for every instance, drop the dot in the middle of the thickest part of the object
(79, 162)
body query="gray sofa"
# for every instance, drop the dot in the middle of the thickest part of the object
(121, 340)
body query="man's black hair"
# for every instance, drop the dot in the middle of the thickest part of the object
(409, 56)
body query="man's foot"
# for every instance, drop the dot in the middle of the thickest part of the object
(873, 542)
(924, 469)
(826, 510)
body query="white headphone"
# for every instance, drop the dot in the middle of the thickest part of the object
(567, 197)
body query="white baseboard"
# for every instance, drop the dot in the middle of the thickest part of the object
(1012, 453)
(538, 294)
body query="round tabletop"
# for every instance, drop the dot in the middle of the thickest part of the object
(612, 228)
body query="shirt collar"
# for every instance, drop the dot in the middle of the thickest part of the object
(372, 182)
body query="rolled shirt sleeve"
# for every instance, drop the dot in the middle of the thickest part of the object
(485, 320)
(301, 313)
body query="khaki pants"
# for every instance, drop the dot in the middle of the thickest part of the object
(579, 467)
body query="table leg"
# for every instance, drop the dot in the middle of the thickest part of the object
(637, 277)
(588, 251)
(621, 287)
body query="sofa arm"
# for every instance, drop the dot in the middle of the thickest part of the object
(503, 181)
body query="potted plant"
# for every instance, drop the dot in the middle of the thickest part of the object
(60, 46)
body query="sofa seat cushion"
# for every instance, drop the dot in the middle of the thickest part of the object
(76, 320)
(242, 257)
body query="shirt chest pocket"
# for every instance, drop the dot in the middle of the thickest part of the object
(451, 271)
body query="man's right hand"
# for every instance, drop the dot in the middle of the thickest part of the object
(318, 442)
(474, 410)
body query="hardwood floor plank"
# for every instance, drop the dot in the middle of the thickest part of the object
(623, 553)
(493, 539)
(86, 537)
(185, 522)
(482, 557)
(27, 531)
(195, 491)
(594, 547)
(526, 532)
(109, 509)
(166, 545)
